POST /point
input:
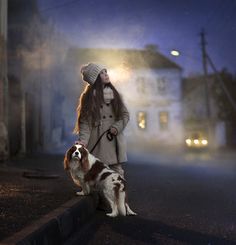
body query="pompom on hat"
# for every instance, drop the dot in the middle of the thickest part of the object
(90, 72)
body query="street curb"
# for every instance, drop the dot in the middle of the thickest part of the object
(57, 226)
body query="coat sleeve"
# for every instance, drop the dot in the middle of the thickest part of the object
(85, 131)
(121, 124)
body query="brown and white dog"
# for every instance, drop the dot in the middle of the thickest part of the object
(89, 172)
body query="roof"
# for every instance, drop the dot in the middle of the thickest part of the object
(134, 58)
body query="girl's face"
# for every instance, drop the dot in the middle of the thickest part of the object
(104, 76)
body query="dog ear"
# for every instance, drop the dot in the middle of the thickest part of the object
(84, 159)
(67, 157)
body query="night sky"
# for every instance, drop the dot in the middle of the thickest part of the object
(169, 24)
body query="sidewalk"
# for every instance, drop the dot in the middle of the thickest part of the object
(38, 203)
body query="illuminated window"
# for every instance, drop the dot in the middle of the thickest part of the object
(161, 85)
(142, 119)
(163, 120)
(141, 86)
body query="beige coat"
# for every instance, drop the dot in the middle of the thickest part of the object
(106, 150)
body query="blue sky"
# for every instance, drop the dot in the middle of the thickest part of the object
(169, 24)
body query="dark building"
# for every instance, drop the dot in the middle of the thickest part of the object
(3, 82)
(20, 16)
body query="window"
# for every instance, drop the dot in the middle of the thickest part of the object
(141, 86)
(161, 85)
(142, 119)
(163, 120)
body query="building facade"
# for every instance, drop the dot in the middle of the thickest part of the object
(151, 86)
(155, 105)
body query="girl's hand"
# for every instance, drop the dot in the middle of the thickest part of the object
(113, 131)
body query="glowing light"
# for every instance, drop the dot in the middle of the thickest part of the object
(175, 52)
(142, 124)
(119, 74)
(141, 119)
(196, 142)
(204, 142)
(188, 142)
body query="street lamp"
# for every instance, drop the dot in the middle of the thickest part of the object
(174, 52)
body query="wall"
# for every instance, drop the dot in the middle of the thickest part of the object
(4, 149)
(160, 92)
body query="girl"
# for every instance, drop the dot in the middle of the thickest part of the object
(100, 109)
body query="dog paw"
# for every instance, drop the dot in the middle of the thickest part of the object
(80, 193)
(129, 211)
(112, 215)
(132, 213)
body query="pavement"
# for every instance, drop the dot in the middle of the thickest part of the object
(58, 225)
(178, 202)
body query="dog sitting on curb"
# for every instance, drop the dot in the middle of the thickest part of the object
(90, 173)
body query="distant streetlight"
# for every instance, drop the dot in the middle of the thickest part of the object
(175, 52)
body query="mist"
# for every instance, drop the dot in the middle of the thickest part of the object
(49, 88)
(150, 83)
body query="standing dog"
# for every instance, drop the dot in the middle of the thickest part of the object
(89, 172)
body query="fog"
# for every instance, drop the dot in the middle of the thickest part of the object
(49, 86)
(149, 82)
(51, 74)
(215, 163)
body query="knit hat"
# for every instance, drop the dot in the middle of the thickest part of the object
(90, 72)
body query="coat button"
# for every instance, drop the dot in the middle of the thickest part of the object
(108, 104)
(110, 116)
(104, 117)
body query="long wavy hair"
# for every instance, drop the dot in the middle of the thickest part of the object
(90, 102)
